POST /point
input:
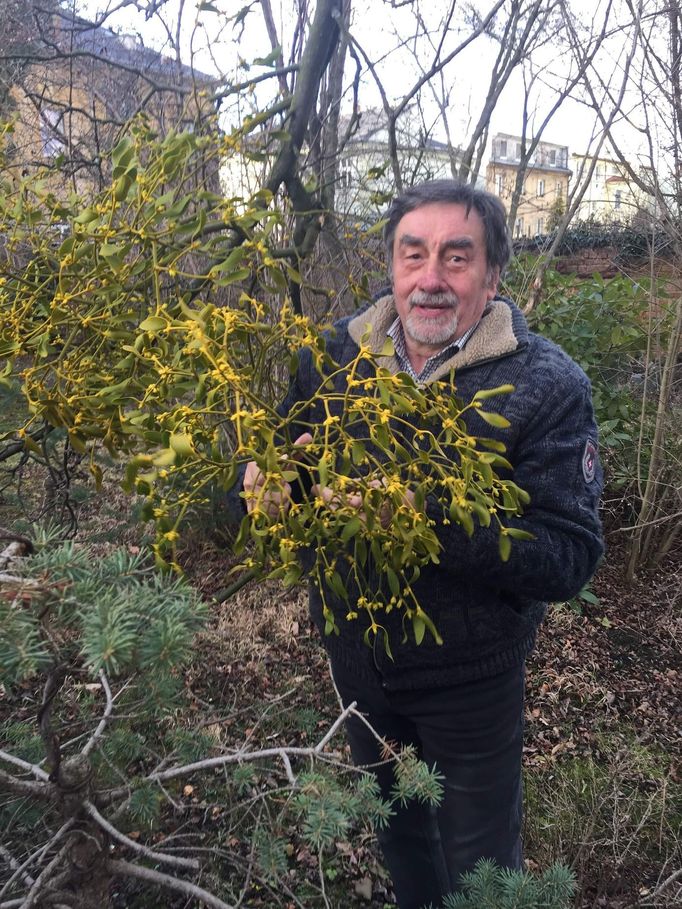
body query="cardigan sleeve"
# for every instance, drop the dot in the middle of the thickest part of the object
(555, 460)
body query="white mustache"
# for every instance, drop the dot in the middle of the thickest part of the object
(436, 301)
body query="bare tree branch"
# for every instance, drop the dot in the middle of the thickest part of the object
(581, 188)
(16, 866)
(99, 732)
(33, 769)
(275, 44)
(24, 787)
(165, 880)
(237, 757)
(176, 861)
(37, 855)
(44, 877)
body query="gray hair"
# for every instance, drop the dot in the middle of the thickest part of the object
(491, 211)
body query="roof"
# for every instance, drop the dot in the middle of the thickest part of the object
(73, 33)
(373, 128)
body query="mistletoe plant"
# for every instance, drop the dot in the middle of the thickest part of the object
(152, 322)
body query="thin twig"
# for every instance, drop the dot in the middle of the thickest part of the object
(43, 877)
(333, 729)
(323, 888)
(176, 805)
(237, 757)
(15, 866)
(115, 834)
(675, 876)
(37, 855)
(118, 866)
(288, 769)
(99, 732)
(14, 579)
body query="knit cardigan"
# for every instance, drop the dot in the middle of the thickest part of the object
(486, 610)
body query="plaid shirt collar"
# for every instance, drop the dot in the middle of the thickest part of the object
(397, 335)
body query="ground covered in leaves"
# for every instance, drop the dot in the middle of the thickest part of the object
(602, 755)
(603, 742)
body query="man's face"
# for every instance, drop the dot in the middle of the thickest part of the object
(441, 279)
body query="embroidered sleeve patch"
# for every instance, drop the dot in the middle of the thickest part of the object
(589, 460)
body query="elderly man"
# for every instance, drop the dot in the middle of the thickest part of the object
(460, 704)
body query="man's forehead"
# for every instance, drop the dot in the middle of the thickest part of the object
(451, 223)
(431, 212)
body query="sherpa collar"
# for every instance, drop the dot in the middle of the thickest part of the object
(501, 331)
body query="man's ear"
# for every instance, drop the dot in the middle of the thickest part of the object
(493, 282)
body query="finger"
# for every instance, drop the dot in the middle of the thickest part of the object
(272, 501)
(328, 496)
(253, 476)
(300, 443)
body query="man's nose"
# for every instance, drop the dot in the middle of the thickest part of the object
(431, 279)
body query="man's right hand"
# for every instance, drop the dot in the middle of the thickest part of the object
(271, 500)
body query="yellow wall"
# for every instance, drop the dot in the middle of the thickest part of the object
(541, 190)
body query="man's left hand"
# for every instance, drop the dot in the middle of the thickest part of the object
(335, 500)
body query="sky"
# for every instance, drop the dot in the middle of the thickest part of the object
(380, 29)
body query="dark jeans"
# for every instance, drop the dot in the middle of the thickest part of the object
(473, 734)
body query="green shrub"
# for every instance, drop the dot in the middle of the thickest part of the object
(491, 887)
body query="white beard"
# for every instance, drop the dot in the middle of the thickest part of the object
(434, 332)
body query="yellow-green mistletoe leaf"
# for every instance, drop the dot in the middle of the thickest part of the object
(494, 419)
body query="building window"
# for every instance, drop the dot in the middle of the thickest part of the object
(345, 175)
(559, 189)
(499, 184)
(617, 199)
(518, 228)
(518, 151)
(52, 132)
(541, 188)
(552, 157)
(503, 148)
(540, 226)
